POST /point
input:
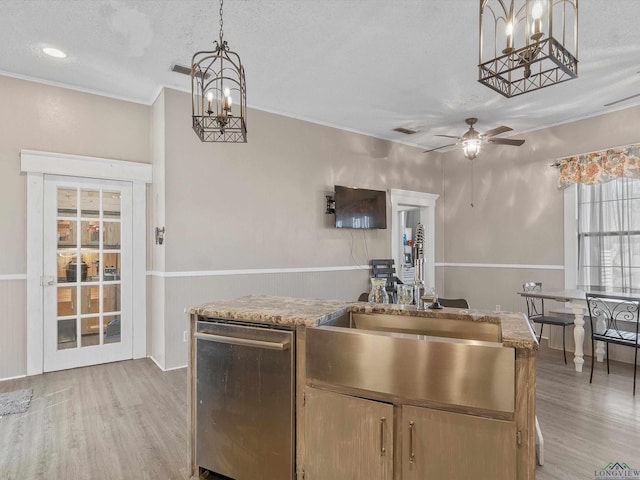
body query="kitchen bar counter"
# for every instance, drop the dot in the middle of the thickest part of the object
(516, 331)
(338, 378)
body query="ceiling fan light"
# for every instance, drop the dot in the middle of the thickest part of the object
(471, 148)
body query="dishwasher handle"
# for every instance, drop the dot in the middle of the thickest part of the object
(245, 342)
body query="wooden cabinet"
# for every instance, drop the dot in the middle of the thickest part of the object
(347, 437)
(437, 444)
(352, 438)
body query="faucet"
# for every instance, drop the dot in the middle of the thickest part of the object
(418, 263)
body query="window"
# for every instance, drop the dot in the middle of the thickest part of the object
(608, 232)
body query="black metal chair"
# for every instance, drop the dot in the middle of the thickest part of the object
(385, 268)
(453, 302)
(616, 312)
(535, 312)
(364, 297)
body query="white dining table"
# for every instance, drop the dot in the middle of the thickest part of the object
(577, 302)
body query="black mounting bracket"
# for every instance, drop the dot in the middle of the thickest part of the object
(331, 204)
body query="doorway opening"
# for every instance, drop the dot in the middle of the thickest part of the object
(408, 208)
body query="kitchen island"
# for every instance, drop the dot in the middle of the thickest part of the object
(376, 391)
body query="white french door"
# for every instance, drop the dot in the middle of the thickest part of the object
(87, 255)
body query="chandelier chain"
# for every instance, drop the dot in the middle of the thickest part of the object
(221, 2)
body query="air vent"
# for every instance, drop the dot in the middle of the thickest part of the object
(406, 131)
(184, 70)
(181, 69)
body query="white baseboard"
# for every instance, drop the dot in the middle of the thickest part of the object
(165, 369)
(12, 378)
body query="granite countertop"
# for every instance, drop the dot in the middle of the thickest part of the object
(308, 312)
(516, 330)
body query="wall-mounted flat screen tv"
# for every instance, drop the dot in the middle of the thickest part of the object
(360, 208)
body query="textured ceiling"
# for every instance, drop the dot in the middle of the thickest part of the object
(363, 65)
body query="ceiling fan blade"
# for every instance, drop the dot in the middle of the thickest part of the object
(496, 131)
(447, 136)
(505, 141)
(438, 148)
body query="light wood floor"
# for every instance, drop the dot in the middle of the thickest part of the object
(119, 421)
(585, 426)
(127, 420)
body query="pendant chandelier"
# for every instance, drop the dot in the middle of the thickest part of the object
(526, 45)
(218, 94)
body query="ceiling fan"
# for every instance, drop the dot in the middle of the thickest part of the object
(471, 140)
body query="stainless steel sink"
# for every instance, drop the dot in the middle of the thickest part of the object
(432, 326)
(437, 361)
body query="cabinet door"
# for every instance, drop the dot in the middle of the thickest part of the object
(347, 437)
(438, 444)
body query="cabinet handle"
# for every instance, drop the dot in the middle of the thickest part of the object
(382, 449)
(412, 455)
(246, 342)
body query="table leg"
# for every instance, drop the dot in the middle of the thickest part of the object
(578, 337)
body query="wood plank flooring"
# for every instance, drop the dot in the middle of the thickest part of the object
(585, 426)
(127, 420)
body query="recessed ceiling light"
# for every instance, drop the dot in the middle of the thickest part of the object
(54, 52)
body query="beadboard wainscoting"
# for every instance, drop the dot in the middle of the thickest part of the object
(13, 312)
(172, 292)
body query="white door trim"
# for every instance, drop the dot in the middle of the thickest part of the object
(36, 164)
(32, 161)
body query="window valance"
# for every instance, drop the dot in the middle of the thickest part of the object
(600, 167)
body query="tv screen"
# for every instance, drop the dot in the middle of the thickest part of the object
(360, 208)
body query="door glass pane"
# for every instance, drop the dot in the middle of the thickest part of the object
(111, 298)
(90, 203)
(67, 301)
(111, 267)
(90, 236)
(90, 328)
(90, 299)
(111, 235)
(66, 269)
(111, 329)
(67, 335)
(67, 202)
(90, 266)
(111, 204)
(67, 233)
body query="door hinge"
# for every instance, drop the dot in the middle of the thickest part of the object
(47, 280)
(304, 403)
(519, 437)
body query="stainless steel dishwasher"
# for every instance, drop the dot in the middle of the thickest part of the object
(245, 408)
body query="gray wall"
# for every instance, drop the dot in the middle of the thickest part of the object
(260, 206)
(518, 216)
(41, 117)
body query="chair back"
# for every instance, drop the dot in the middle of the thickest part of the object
(614, 318)
(453, 302)
(385, 268)
(535, 306)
